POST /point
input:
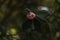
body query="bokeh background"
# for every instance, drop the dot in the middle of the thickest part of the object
(11, 17)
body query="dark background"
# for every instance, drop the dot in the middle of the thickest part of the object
(11, 15)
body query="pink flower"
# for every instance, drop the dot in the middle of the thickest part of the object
(31, 15)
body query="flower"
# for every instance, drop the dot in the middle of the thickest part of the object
(31, 15)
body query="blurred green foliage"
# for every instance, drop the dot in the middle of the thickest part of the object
(13, 9)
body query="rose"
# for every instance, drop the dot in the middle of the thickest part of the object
(31, 15)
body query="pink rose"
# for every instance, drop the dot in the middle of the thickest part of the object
(31, 15)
